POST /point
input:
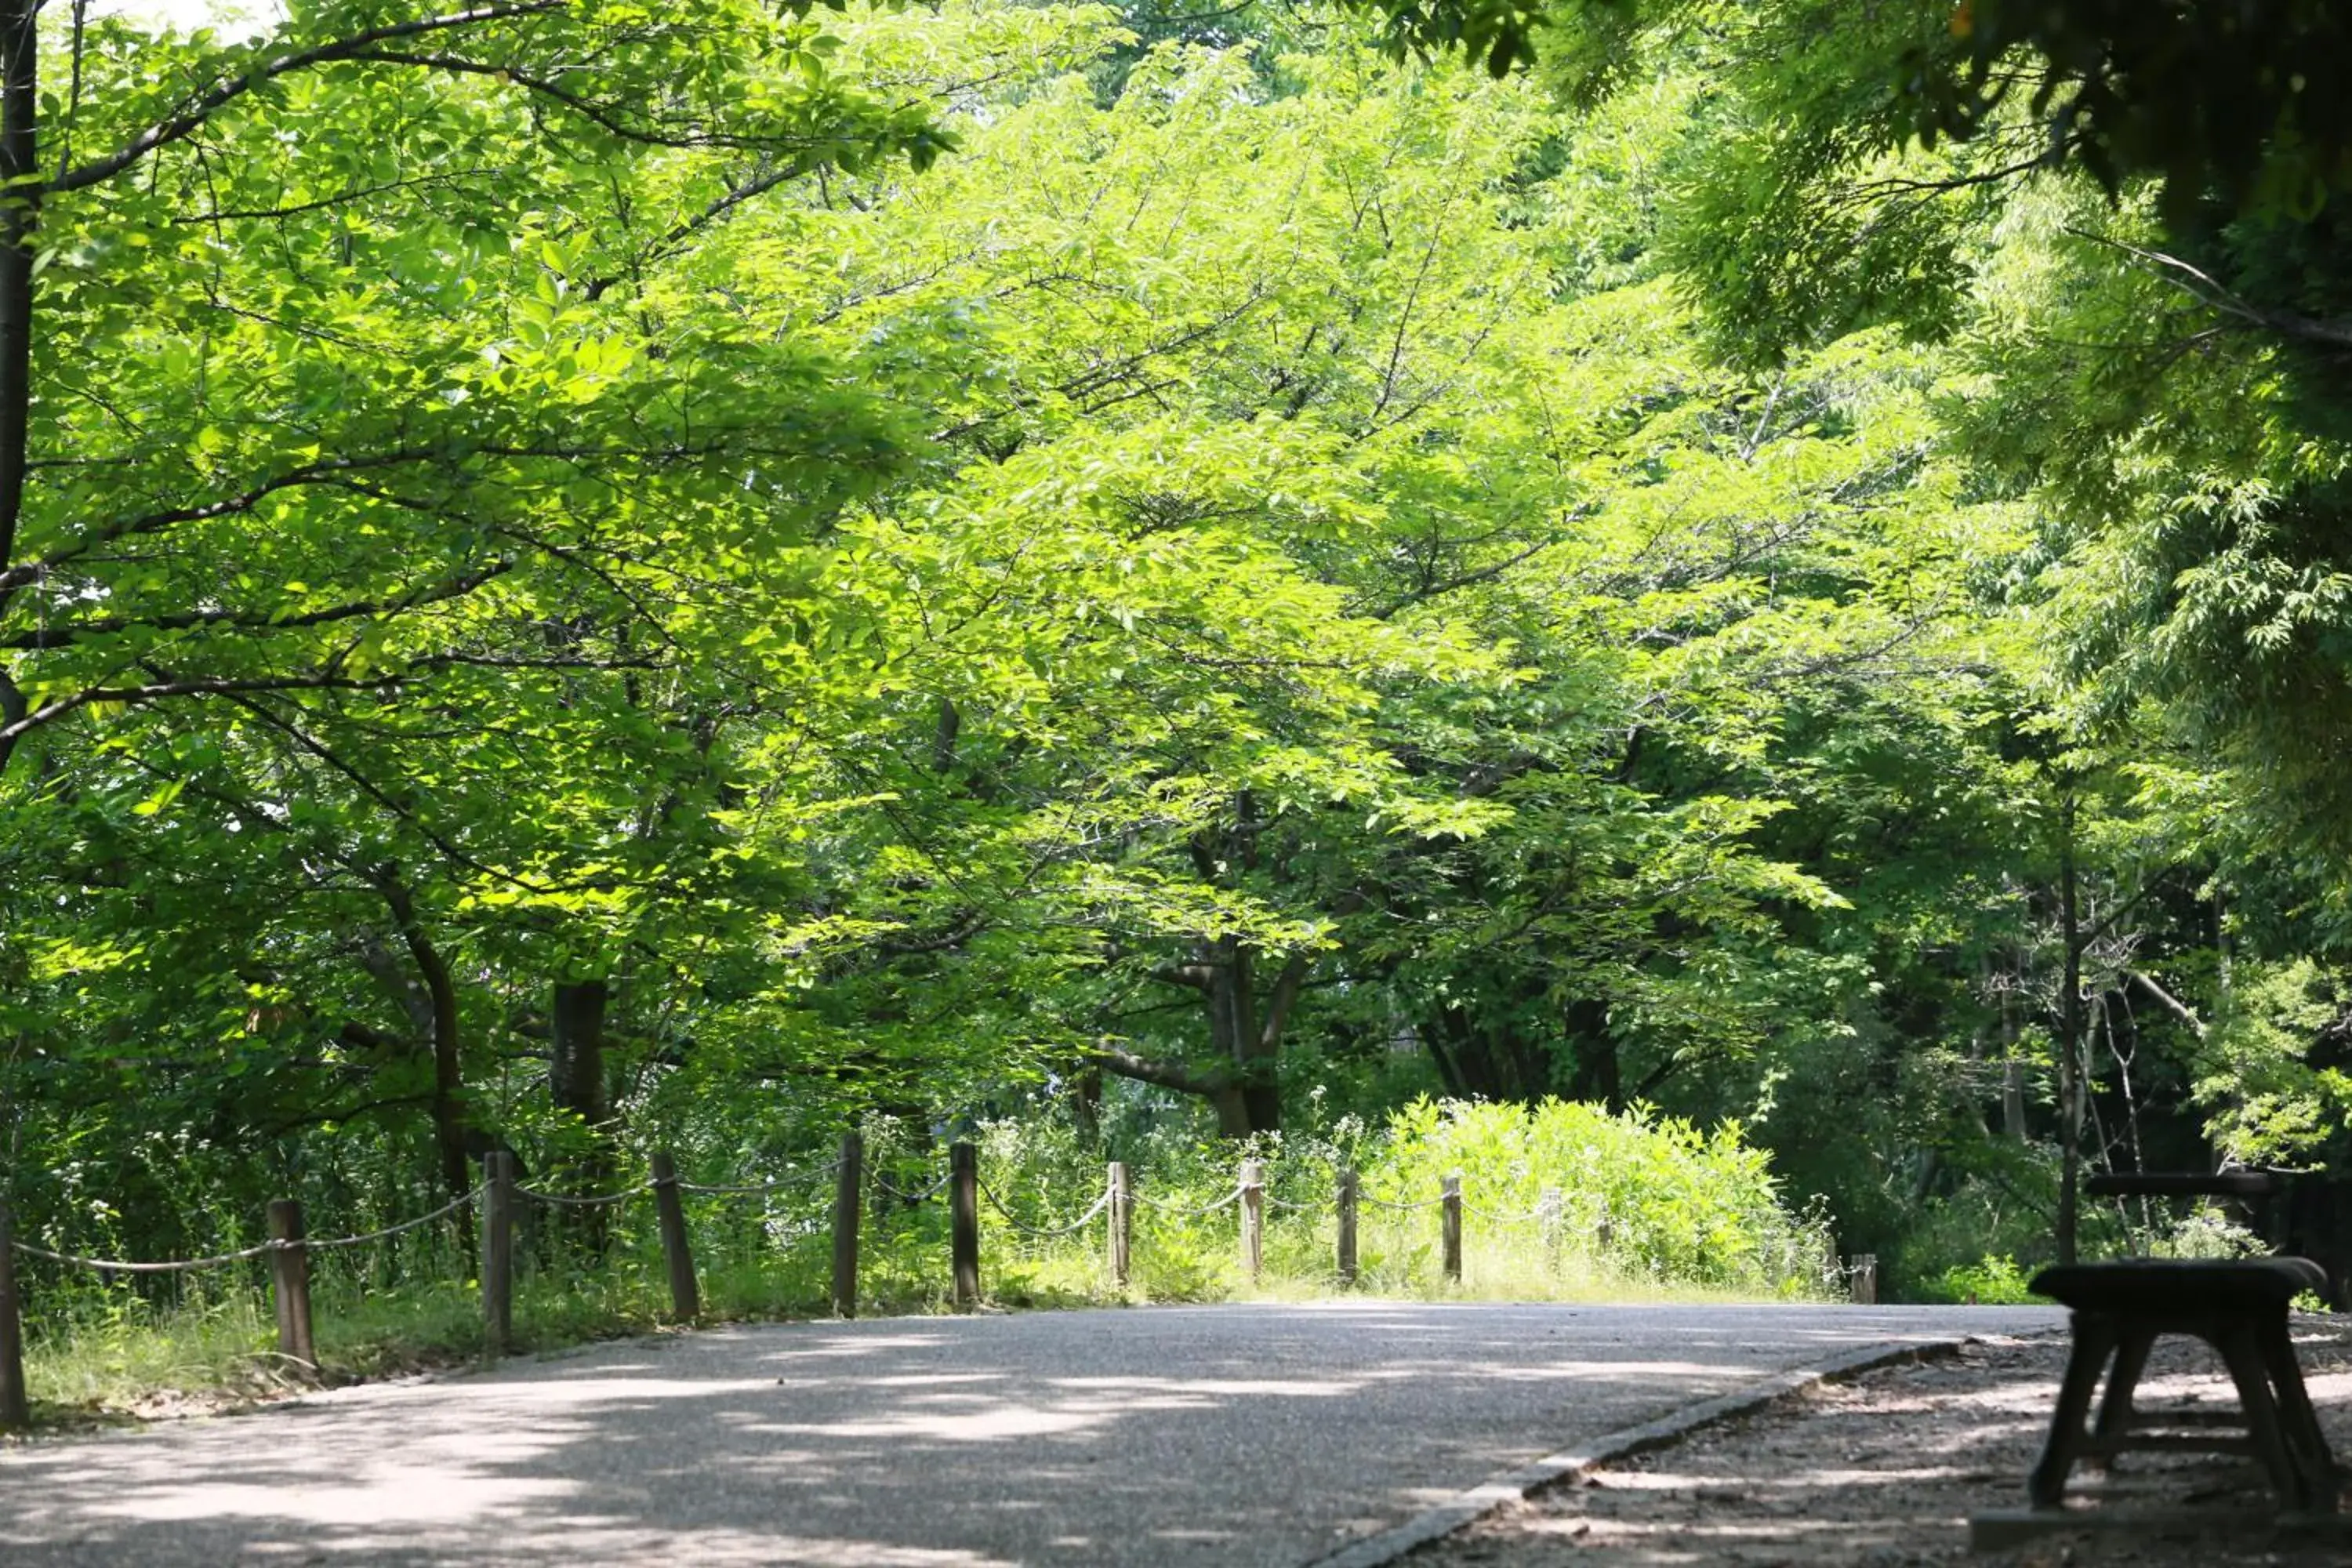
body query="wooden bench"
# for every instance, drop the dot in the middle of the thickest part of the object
(2238, 1306)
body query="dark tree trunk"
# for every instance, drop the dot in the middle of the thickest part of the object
(1600, 1076)
(1227, 966)
(576, 1083)
(2070, 1038)
(1085, 1105)
(2012, 1071)
(575, 1054)
(452, 1129)
(1252, 1100)
(1444, 1056)
(1245, 1026)
(19, 217)
(1479, 1061)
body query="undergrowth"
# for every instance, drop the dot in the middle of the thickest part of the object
(1561, 1202)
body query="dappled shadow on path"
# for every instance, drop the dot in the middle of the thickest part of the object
(1885, 1473)
(1237, 1435)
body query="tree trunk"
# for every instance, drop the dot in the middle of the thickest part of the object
(1228, 1003)
(1479, 1060)
(19, 215)
(450, 1124)
(1252, 1100)
(2012, 1071)
(1085, 1106)
(575, 1083)
(1600, 1074)
(2070, 1038)
(575, 1054)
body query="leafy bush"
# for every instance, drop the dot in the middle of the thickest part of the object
(1648, 1206)
(1991, 1282)
(1647, 1196)
(1644, 1205)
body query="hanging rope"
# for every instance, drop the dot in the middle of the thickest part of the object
(622, 1196)
(444, 1211)
(796, 1179)
(189, 1265)
(1399, 1208)
(1179, 1209)
(905, 1196)
(1273, 1201)
(116, 1265)
(1080, 1223)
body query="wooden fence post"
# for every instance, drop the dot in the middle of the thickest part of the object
(963, 1221)
(678, 1251)
(1347, 1190)
(849, 1178)
(1122, 1210)
(16, 1407)
(1253, 1218)
(498, 1251)
(1449, 1213)
(1865, 1280)
(289, 1270)
(1550, 1219)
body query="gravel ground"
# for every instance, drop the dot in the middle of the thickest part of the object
(1883, 1472)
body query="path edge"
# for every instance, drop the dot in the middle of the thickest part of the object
(1517, 1485)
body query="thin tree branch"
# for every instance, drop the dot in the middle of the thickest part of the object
(191, 119)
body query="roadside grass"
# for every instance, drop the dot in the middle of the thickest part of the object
(110, 1355)
(1561, 1202)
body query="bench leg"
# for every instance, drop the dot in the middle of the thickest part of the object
(2095, 1341)
(2242, 1350)
(2304, 1436)
(2115, 1403)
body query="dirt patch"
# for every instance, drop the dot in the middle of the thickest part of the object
(1882, 1471)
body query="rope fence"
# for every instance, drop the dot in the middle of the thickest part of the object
(1186, 1211)
(601, 1200)
(499, 1200)
(1073, 1227)
(883, 1186)
(259, 1249)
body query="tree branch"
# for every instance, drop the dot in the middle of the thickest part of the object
(2168, 1001)
(48, 637)
(202, 687)
(1166, 1075)
(180, 126)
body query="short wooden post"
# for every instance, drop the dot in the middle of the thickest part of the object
(1253, 1218)
(1865, 1278)
(963, 1221)
(289, 1270)
(498, 1251)
(16, 1406)
(1551, 1220)
(1350, 1187)
(1449, 1214)
(1122, 1223)
(678, 1251)
(849, 1178)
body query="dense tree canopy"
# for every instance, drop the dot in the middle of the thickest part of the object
(572, 576)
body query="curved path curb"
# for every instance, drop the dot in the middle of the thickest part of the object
(1517, 1486)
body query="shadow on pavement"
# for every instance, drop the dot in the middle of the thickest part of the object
(1234, 1435)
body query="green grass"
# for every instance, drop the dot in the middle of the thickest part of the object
(109, 1354)
(1648, 1210)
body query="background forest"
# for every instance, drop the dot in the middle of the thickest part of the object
(578, 577)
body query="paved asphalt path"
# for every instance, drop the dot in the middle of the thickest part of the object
(1236, 1435)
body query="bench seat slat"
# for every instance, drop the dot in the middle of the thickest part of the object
(2179, 1285)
